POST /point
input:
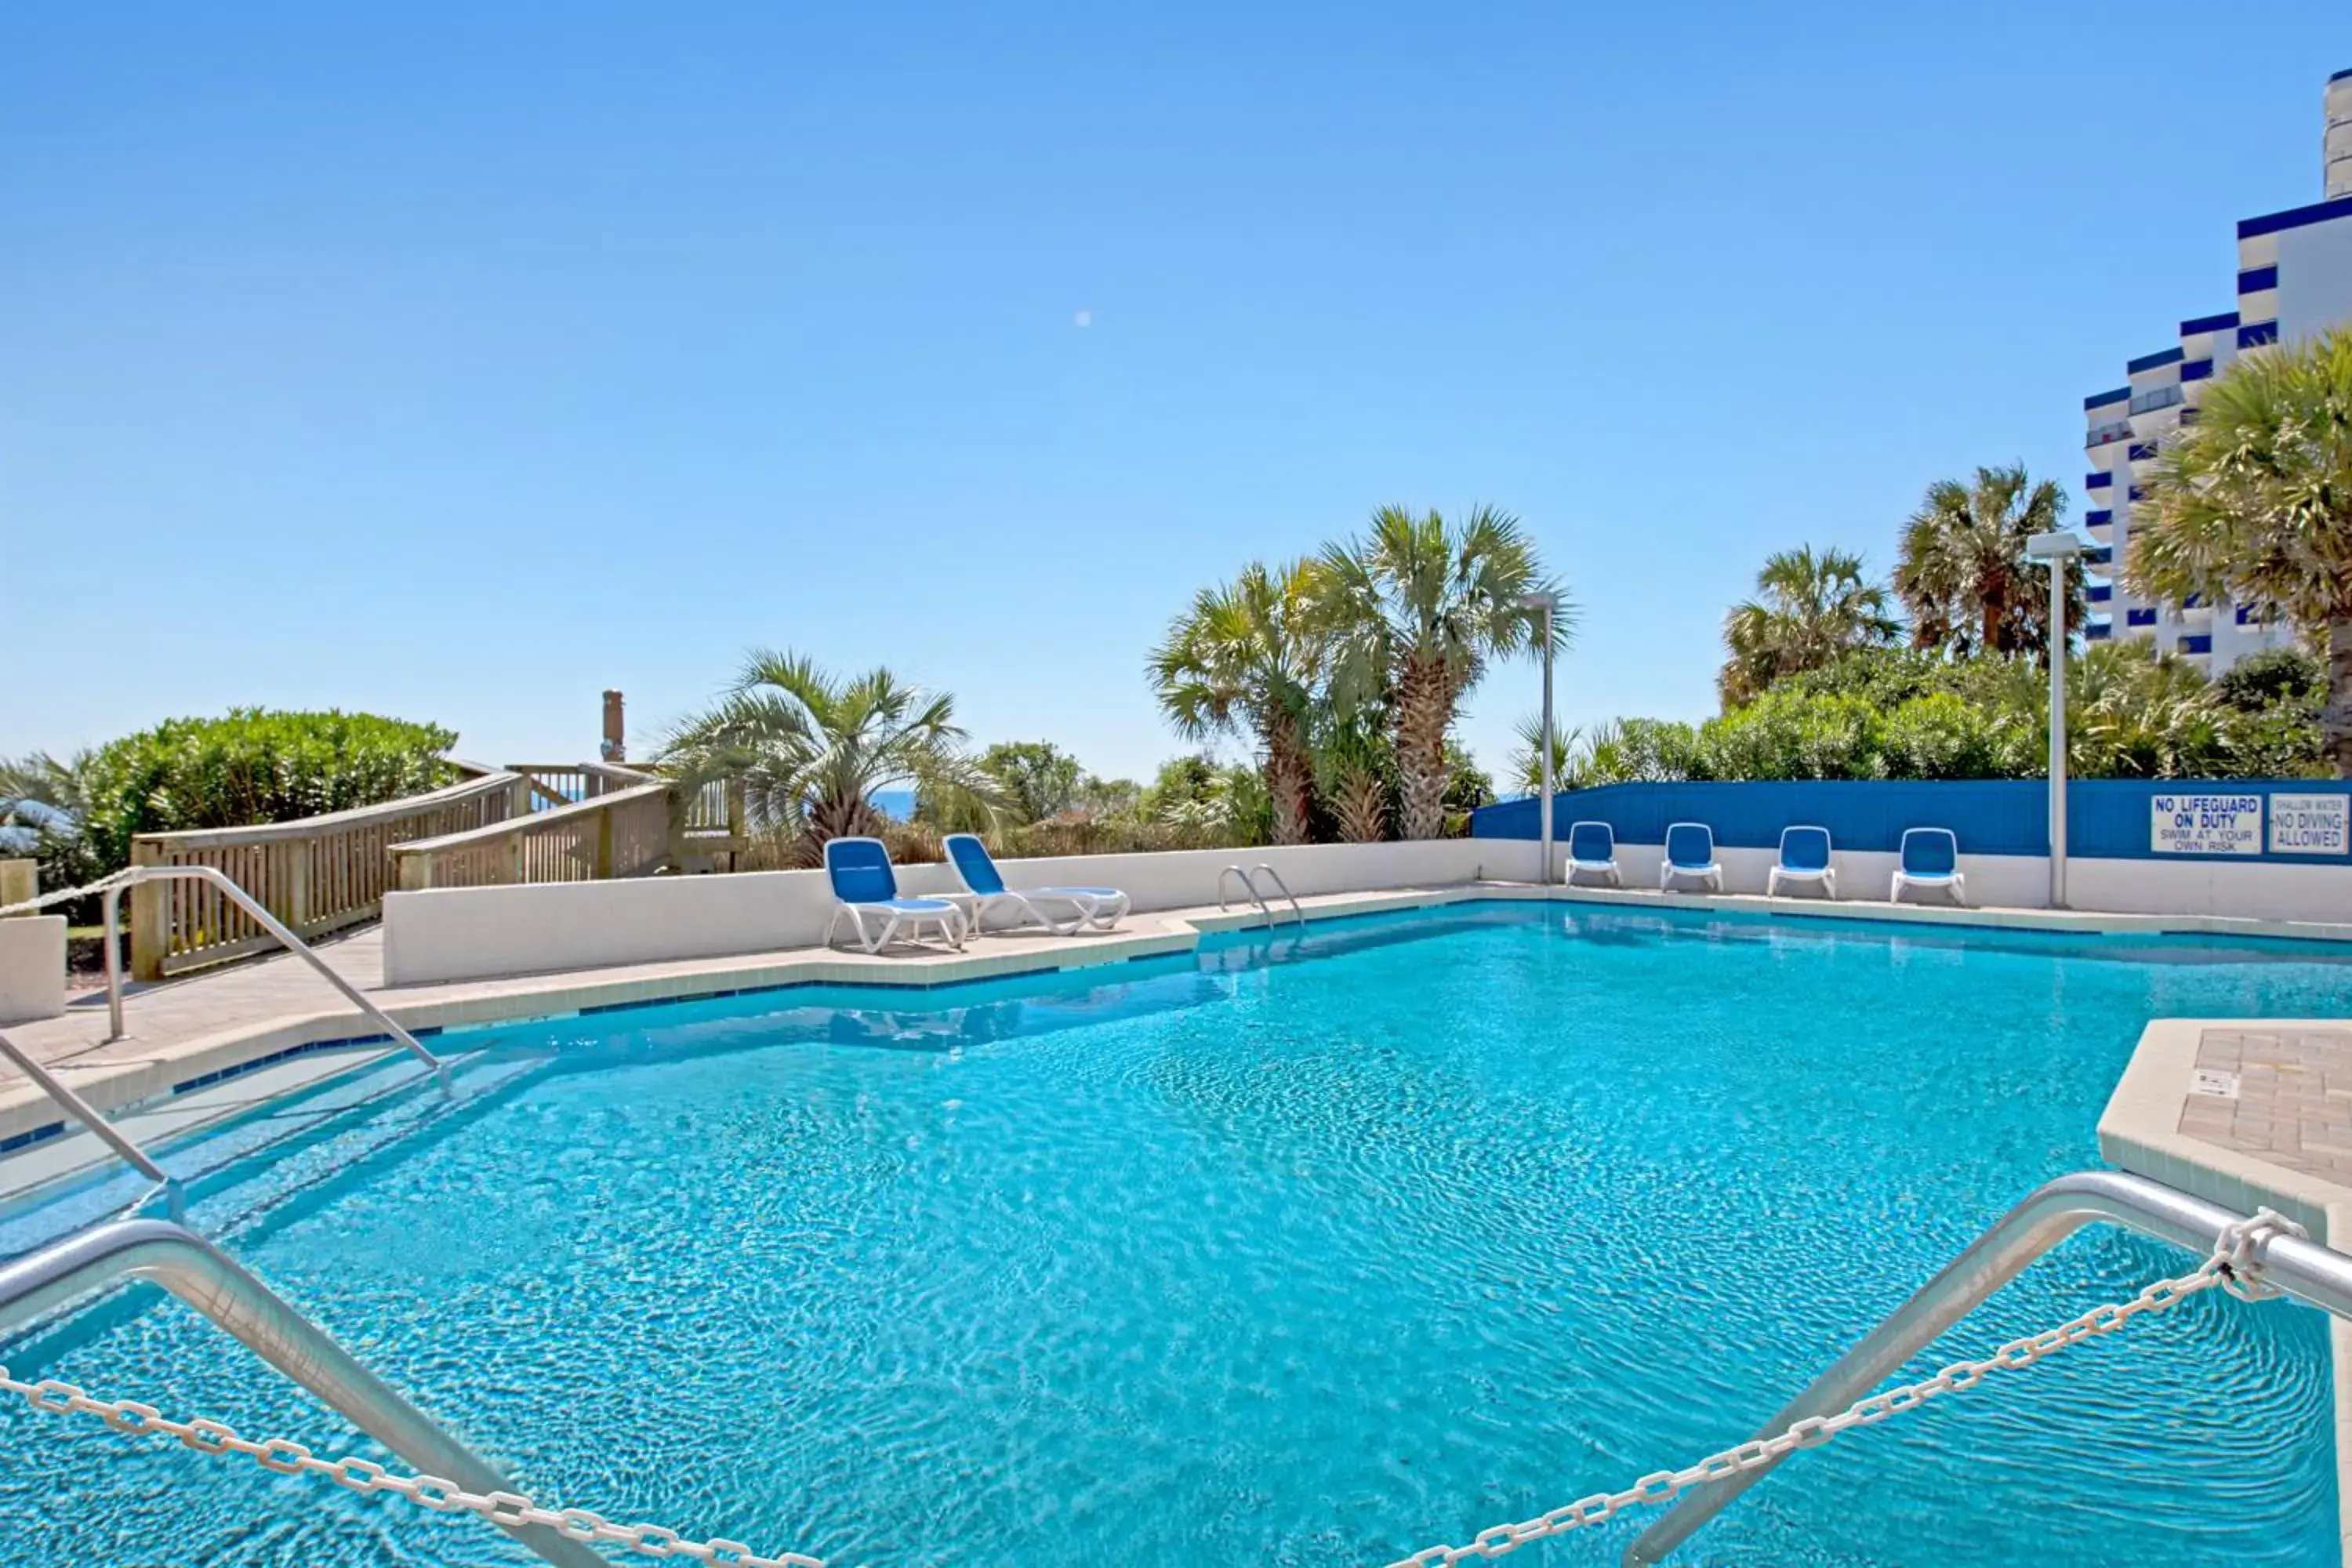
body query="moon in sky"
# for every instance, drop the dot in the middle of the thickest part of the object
(1086, 318)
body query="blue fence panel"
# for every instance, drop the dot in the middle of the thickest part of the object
(2106, 819)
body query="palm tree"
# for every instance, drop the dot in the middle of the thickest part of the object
(1245, 660)
(1418, 607)
(811, 748)
(1810, 610)
(1963, 572)
(1354, 770)
(2254, 500)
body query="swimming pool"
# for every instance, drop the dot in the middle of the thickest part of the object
(1309, 1249)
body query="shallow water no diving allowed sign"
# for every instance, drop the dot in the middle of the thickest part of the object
(2233, 825)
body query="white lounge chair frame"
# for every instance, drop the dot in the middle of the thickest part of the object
(1598, 867)
(905, 914)
(1954, 878)
(1091, 909)
(1825, 875)
(1711, 873)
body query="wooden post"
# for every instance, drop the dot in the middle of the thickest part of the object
(20, 881)
(605, 844)
(298, 884)
(151, 933)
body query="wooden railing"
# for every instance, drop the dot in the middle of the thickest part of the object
(562, 822)
(621, 832)
(318, 875)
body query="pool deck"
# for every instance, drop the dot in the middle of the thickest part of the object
(2240, 1111)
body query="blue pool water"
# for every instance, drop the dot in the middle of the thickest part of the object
(1309, 1252)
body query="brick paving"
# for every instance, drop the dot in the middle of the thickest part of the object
(2285, 1096)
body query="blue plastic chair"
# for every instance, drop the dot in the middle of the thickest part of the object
(866, 890)
(1804, 858)
(1592, 847)
(1930, 858)
(1690, 852)
(1095, 909)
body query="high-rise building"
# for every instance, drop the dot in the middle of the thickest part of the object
(2295, 280)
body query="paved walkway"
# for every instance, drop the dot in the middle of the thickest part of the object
(2282, 1094)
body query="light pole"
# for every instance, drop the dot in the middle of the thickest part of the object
(1549, 604)
(2059, 549)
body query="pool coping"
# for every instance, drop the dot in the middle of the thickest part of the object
(2140, 1131)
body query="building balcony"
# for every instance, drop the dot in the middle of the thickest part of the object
(2197, 646)
(2196, 608)
(2100, 593)
(2099, 480)
(2113, 430)
(2257, 335)
(2143, 617)
(2257, 280)
(2097, 631)
(2143, 451)
(2101, 525)
(2102, 559)
(2196, 369)
(2155, 398)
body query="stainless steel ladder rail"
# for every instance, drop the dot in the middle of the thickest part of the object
(1255, 898)
(211, 1282)
(269, 922)
(1296, 913)
(90, 1116)
(2304, 1269)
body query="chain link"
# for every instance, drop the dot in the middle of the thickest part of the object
(2234, 1266)
(367, 1477)
(65, 895)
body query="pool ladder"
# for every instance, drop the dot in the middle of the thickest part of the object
(1249, 880)
(2304, 1269)
(211, 1282)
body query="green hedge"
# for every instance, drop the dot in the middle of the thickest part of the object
(255, 765)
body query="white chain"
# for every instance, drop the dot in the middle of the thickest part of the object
(65, 895)
(365, 1476)
(2234, 1266)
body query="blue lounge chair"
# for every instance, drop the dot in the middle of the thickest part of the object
(1930, 859)
(868, 892)
(1690, 852)
(1593, 847)
(1804, 858)
(1091, 909)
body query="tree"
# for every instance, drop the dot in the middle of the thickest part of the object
(1810, 609)
(811, 748)
(2254, 500)
(1417, 609)
(1038, 778)
(1963, 573)
(1247, 660)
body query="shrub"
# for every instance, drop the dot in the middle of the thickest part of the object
(1941, 736)
(1794, 734)
(254, 765)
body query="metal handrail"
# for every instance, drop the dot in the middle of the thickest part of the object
(88, 1115)
(269, 922)
(2304, 1269)
(1296, 913)
(1254, 897)
(211, 1282)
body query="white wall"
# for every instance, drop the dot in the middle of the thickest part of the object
(2011, 880)
(2314, 278)
(2253, 890)
(474, 933)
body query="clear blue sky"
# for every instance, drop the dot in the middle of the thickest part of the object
(458, 362)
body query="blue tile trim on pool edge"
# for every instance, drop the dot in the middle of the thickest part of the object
(308, 1047)
(37, 1135)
